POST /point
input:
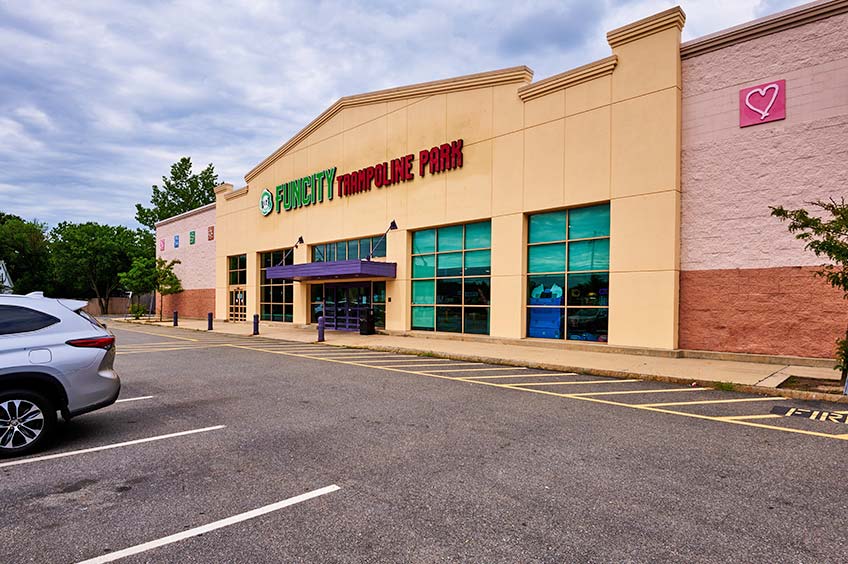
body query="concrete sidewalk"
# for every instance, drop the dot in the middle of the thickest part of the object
(763, 377)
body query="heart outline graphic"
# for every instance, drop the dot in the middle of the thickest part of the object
(762, 92)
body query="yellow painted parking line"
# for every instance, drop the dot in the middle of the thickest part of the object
(571, 396)
(478, 369)
(760, 416)
(626, 392)
(555, 374)
(709, 401)
(416, 359)
(426, 366)
(573, 383)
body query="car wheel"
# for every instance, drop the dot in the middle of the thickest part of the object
(27, 421)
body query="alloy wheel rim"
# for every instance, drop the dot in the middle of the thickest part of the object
(21, 422)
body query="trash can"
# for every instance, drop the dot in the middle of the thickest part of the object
(366, 322)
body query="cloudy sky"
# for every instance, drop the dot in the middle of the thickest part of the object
(97, 99)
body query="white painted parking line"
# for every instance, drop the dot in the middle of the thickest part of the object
(210, 527)
(134, 399)
(108, 447)
(403, 364)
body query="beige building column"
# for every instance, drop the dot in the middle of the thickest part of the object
(645, 182)
(508, 286)
(398, 290)
(301, 289)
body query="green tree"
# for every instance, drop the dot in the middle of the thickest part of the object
(182, 192)
(167, 282)
(88, 257)
(825, 233)
(26, 251)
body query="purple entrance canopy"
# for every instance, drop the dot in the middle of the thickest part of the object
(331, 270)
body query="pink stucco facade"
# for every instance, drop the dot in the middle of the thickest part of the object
(731, 175)
(196, 270)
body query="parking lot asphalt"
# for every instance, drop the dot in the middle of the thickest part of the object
(417, 459)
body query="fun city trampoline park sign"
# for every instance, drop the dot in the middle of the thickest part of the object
(324, 185)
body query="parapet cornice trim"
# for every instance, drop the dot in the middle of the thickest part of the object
(781, 21)
(467, 82)
(184, 215)
(572, 77)
(236, 193)
(674, 17)
(223, 188)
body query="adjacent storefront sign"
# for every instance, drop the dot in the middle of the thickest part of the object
(762, 103)
(312, 189)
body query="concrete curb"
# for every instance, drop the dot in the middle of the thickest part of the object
(775, 392)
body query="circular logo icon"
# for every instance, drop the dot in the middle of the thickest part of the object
(266, 202)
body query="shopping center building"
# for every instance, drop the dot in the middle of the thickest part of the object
(624, 203)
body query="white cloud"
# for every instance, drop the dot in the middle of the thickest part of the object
(101, 97)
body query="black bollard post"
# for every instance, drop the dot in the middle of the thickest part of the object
(321, 329)
(209, 321)
(255, 323)
(176, 318)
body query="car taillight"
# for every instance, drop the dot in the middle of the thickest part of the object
(93, 343)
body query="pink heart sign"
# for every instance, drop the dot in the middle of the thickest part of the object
(762, 103)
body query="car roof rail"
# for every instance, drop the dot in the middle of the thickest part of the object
(35, 295)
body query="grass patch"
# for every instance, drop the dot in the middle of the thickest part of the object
(725, 386)
(428, 354)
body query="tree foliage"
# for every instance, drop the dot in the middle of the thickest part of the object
(88, 257)
(182, 192)
(25, 249)
(825, 233)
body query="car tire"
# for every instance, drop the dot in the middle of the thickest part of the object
(27, 422)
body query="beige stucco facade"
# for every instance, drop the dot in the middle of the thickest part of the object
(608, 132)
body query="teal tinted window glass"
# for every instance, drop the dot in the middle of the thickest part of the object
(477, 320)
(318, 253)
(449, 264)
(546, 258)
(449, 291)
(424, 292)
(364, 248)
(423, 318)
(546, 290)
(424, 266)
(424, 242)
(478, 263)
(589, 222)
(233, 263)
(316, 292)
(588, 255)
(352, 250)
(242, 261)
(588, 289)
(449, 319)
(587, 324)
(378, 291)
(341, 250)
(379, 246)
(450, 238)
(545, 227)
(477, 291)
(478, 235)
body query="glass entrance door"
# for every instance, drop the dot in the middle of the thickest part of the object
(345, 304)
(237, 310)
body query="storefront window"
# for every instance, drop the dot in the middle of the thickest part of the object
(350, 249)
(568, 274)
(451, 286)
(276, 295)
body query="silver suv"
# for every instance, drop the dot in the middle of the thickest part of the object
(53, 357)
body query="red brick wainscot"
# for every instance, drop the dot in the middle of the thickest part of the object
(190, 303)
(778, 311)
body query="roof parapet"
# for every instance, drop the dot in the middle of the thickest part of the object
(674, 17)
(568, 78)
